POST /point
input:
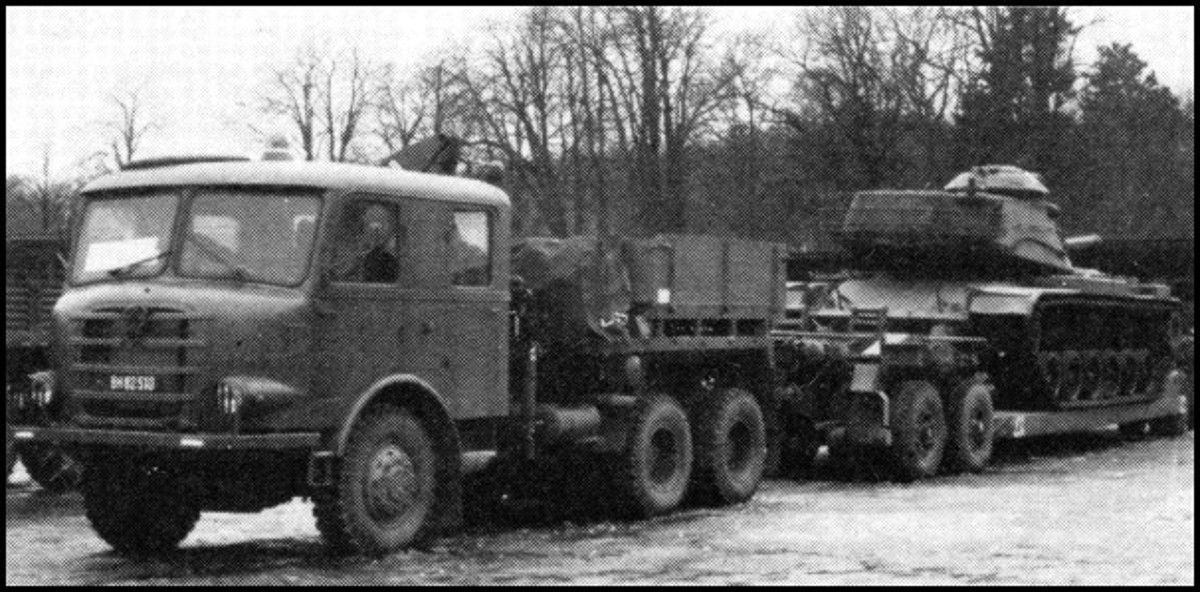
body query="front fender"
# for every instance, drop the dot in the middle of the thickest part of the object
(403, 390)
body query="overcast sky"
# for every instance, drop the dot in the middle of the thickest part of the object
(196, 65)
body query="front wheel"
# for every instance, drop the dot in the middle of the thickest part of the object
(919, 432)
(139, 509)
(731, 448)
(385, 495)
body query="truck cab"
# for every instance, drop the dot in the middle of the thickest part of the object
(240, 314)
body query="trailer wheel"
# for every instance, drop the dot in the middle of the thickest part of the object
(731, 448)
(919, 430)
(1177, 426)
(385, 495)
(972, 422)
(654, 472)
(139, 509)
(54, 470)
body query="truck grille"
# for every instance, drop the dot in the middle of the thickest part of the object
(159, 344)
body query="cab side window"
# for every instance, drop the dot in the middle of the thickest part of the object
(369, 242)
(471, 249)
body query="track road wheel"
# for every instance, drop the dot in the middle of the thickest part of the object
(384, 499)
(972, 423)
(139, 509)
(54, 470)
(919, 430)
(654, 472)
(731, 448)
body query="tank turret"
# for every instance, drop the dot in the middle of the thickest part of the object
(991, 219)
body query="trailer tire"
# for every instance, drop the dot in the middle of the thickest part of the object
(1177, 426)
(655, 470)
(52, 469)
(140, 510)
(730, 449)
(972, 423)
(384, 497)
(920, 432)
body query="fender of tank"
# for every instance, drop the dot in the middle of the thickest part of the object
(992, 220)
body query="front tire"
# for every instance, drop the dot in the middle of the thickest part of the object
(919, 431)
(972, 422)
(731, 448)
(139, 509)
(655, 470)
(385, 495)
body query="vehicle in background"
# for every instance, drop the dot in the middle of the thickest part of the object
(32, 284)
(963, 322)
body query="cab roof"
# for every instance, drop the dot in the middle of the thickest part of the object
(324, 176)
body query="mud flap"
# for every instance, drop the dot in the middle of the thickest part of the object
(868, 419)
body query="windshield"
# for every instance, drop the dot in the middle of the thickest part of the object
(264, 237)
(126, 237)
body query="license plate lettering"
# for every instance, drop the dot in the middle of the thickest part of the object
(134, 384)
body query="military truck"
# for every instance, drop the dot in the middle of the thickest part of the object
(32, 283)
(963, 321)
(235, 335)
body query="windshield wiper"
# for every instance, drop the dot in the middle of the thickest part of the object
(238, 272)
(127, 269)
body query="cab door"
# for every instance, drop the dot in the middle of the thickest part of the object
(374, 325)
(477, 311)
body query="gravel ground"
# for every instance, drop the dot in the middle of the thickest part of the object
(1067, 511)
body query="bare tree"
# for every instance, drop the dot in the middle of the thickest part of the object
(293, 93)
(433, 100)
(129, 126)
(346, 95)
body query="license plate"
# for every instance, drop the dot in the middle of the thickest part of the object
(133, 384)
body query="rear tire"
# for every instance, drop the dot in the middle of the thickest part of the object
(920, 432)
(384, 499)
(139, 510)
(972, 423)
(54, 470)
(731, 449)
(654, 472)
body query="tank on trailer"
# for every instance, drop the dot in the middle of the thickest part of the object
(964, 319)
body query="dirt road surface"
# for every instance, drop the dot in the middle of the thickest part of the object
(1079, 511)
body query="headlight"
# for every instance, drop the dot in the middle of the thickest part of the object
(230, 398)
(41, 391)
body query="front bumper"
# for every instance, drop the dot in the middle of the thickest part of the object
(301, 442)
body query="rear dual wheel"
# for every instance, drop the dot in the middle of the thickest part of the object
(731, 448)
(653, 473)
